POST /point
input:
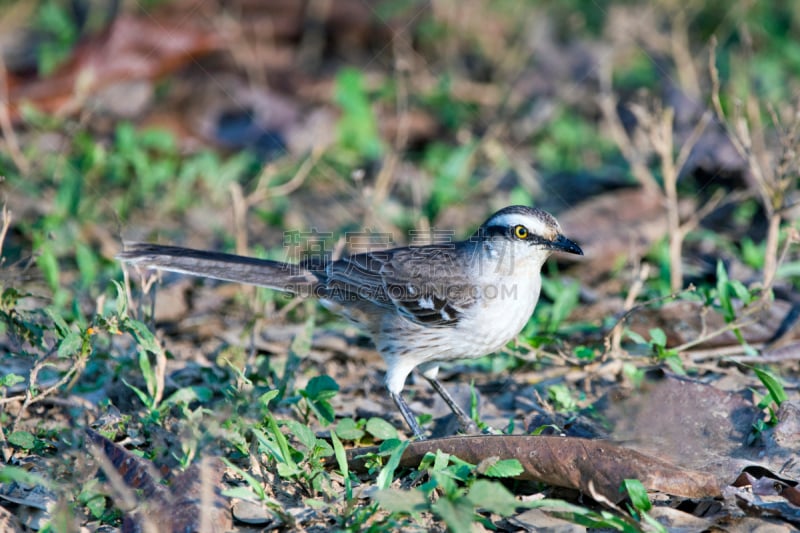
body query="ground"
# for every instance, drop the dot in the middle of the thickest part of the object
(654, 387)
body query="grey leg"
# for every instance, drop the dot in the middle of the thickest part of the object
(468, 425)
(405, 410)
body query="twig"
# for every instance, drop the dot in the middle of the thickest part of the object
(749, 142)
(621, 320)
(736, 324)
(28, 398)
(680, 48)
(638, 167)
(239, 207)
(661, 138)
(264, 190)
(719, 352)
(613, 342)
(7, 215)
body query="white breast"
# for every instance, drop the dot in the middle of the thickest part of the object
(504, 310)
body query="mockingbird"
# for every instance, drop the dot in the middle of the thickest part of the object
(421, 304)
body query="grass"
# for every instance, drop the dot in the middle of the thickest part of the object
(83, 349)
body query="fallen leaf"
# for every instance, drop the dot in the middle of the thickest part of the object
(582, 464)
(192, 501)
(132, 48)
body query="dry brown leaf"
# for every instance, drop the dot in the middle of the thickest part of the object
(132, 48)
(592, 466)
(701, 427)
(681, 420)
(192, 502)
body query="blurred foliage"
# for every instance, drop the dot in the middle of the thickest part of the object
(84, 182)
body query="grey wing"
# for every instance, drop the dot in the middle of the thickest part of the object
(357, 278)
(427, 285)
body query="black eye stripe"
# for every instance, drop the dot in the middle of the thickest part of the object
(508, 231)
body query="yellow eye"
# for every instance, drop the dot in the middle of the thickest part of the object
(520, 232)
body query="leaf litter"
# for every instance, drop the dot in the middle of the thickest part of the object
(708, 447)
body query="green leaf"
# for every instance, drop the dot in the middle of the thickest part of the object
(723, 293)
(302, 433)
(256, 494)
(48, 264)
(584, 353)
(70, 344)
(144, 337)
(58, 320)
(287, 466)
(88, 264)
(741, 291)
(674, 362)
(143, 396)
(22, 439)
(122, 300)
(148, 373)
(341, 460)
(753, 254)
(386, 475)
(9, 474)
(440, 461)
(186, 395)
(458, 514)
(635, 337)
(9, 380)
(658, 337)
(637, 494)
(501, 468)
(566, 299)
(317, 392)
(242, 493)
(493, 497)
(267, 397)
(634, 374)
(347, 429)
(561, 397)
(321, 388)
(357, 127)
(322, 448)
(95, 502)
(381, 429)
(773, 385)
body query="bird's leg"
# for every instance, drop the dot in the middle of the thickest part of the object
(467, 424)
(408, 415)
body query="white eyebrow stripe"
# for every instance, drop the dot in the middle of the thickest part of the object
(534, 225)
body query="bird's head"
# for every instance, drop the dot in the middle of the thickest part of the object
(530, 231)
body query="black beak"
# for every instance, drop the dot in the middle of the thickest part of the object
(562, 244)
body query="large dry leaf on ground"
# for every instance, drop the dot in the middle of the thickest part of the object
(681, 420)
(592, 466)
(191, 502)
(698, 426)
(681, 437)
(131, 49)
